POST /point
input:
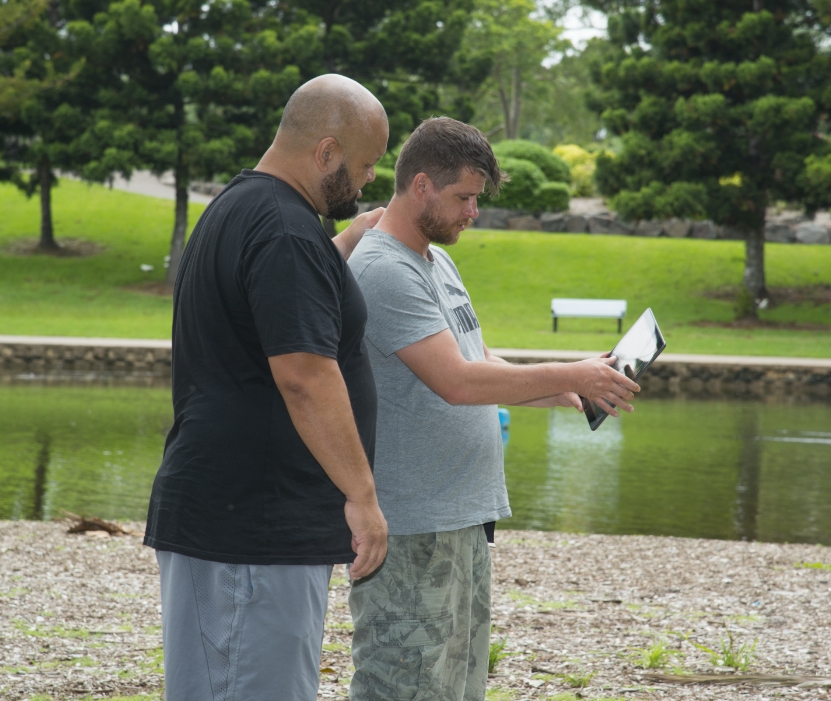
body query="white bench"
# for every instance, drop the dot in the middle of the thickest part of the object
(594, 308)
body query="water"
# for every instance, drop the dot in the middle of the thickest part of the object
(713, 469)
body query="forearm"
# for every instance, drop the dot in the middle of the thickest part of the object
(321, 412)
(489, 382)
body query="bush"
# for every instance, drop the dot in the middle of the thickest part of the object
(553, 197)
(582, 165)
(382, 188)
(521, 191)
(553, 167)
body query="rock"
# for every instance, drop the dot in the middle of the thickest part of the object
(650, 227)
(576, 224)
(553, 221)
(730, 233)
(524, 223)
(781, 233)
(812, 233)
(704, 230)
(606, 224)
(495, 217)
(678, 228)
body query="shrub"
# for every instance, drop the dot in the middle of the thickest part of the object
(553, 167)
(553, 197)
(380, 189)
(521, 191)
(582, 165)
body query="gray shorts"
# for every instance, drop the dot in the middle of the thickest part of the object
(241, 632)
(422, 620)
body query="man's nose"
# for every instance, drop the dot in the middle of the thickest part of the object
(472, 210)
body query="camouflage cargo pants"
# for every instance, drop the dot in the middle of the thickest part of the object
(422, 620)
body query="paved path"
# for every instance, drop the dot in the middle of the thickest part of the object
(513, 354)
(144, 182)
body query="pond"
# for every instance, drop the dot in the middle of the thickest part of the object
(700, 468)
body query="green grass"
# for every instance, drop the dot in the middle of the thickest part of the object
(511, 276)
(43, 295)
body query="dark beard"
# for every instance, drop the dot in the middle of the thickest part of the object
(434, 228)
(339, 194)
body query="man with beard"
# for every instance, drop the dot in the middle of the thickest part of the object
(422, 620)
(266, 480)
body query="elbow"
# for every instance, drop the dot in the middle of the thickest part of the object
(456, 395)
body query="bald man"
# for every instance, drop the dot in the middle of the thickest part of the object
(266, 480)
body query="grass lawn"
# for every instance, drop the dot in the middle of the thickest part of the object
(511, 277)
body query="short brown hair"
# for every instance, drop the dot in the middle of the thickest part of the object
(443, 148)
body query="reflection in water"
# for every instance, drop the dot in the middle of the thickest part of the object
(708, 469)
(45, 442)
(750, 462)
(583, 468)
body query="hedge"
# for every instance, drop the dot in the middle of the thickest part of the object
(380, 189)
(521, 191)
(553, 167)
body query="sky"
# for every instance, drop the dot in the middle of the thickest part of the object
(581, 25)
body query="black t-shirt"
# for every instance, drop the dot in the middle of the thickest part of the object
(259, 278)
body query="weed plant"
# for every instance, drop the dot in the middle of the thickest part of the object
(497, 653)
(738, 656)
(656, 657)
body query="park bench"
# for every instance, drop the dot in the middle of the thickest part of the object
(593, 308)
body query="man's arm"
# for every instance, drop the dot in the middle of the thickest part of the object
(318, 402)
(438, 363)
(566, 399)
(347, 239)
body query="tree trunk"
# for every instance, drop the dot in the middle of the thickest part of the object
(47, 232)
(177, 243)
(754, 271)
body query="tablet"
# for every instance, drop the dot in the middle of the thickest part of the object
(635, 352)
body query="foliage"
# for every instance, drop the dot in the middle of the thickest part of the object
(516, 40)
(700, 92)
(655, 657)
(581, 164)
(814, 566)
(659, 201)
(577, 680)
(508, 273)
(731, 653)
(521, 191)
(553, 197)
(553, 167)
(382, 188)
(496, 653)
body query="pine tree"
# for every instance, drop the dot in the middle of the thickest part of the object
(717, 103)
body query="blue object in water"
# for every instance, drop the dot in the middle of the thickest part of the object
(504, 419)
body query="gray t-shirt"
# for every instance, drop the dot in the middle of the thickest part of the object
(438, 467)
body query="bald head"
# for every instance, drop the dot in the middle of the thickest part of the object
(332, 134)
(330, 105)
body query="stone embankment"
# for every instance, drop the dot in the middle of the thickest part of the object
(50, 360)
(590, 216)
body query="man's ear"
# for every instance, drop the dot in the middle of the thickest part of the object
(328, 154)
(422, 187)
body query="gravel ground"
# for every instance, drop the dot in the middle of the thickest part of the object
(80, 616)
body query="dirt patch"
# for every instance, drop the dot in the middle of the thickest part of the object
(81, 617)
(152, 287)
(67, 248)
(806, 294)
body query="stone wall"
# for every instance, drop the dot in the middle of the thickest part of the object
(85, 361)
(147, 363)
(780, 379)
(790, 228)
